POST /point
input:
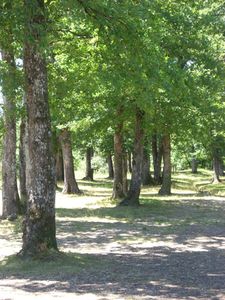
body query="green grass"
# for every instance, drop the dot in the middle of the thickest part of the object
(161, 216)
(200, 182)
(54, 263)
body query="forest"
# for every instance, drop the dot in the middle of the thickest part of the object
(112, 117)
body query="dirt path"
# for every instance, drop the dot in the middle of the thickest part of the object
(168, 249)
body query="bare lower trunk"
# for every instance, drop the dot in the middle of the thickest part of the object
(59, 164)
(22, 167)
(110, 166)
(39, 233)
(216, 167)
(70, 184)
(136, 177)
(89, 170)
(10, 196)
(125, 183)
(166, 183)
(146, 175)
(221, 168)
(194, 166)
(118, 192)
(157, 151)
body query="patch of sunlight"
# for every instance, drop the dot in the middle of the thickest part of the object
(74, 201)
(185, 192)
(90, 220)
(8, 249)
(215, 275)
(27, 289)
(207, 243)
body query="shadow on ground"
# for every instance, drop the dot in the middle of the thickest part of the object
(162, 250)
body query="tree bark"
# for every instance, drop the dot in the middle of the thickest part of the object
(89, 171)
(132, 198)
(110, 166)
(194, 162)
(59, 164)
(10, 196)
(70, 184)
(216, 167)
(39, 233)
(118, 162)
(125, 183)
(146, 175)
(23, 149)
(157, 152)
(194, 166)
(166, 183)
(221, 168)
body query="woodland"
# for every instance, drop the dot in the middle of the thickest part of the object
(127, 94)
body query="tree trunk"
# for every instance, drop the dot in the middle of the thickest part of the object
(89, 171)
(10, 196)
(221, 168)
(157, 151)
(23, 149)
(70, 184)
(59, 164)
(166, 184)
(110, 166)
(216, 167)
(39, 234)
(136, 177)
(118, 163)
(125, 183)
(194, 166)
(146, 175)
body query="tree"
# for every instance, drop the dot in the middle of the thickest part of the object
(89, 170)
(166, 181)
(10, 196)
(23, 154)
(157, 153)
(9, 91)
(39, 226)
(118, 182)
(110, 166)
(70, 184)
(59, 168)
(146, 175)
(132, 197)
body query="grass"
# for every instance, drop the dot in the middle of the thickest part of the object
(54, 264)
(104, 223)
(200, 182)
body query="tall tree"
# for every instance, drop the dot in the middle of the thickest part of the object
(23, 154)
(110, 166)
(10, 196)
(166, 181)
(157, 152)
(39, 233)
(89, 170)
(118, 188)
(70, 183)
(132, 197)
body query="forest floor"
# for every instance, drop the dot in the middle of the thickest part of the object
(168, 248)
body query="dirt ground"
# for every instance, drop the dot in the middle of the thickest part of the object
(173, 249)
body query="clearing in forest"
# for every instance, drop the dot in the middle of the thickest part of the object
(168, 248)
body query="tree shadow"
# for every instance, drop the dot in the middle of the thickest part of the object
(163, 249)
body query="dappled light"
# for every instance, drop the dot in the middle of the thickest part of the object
(168, 248)
(112, 150)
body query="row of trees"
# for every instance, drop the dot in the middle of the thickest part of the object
(124, 77)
